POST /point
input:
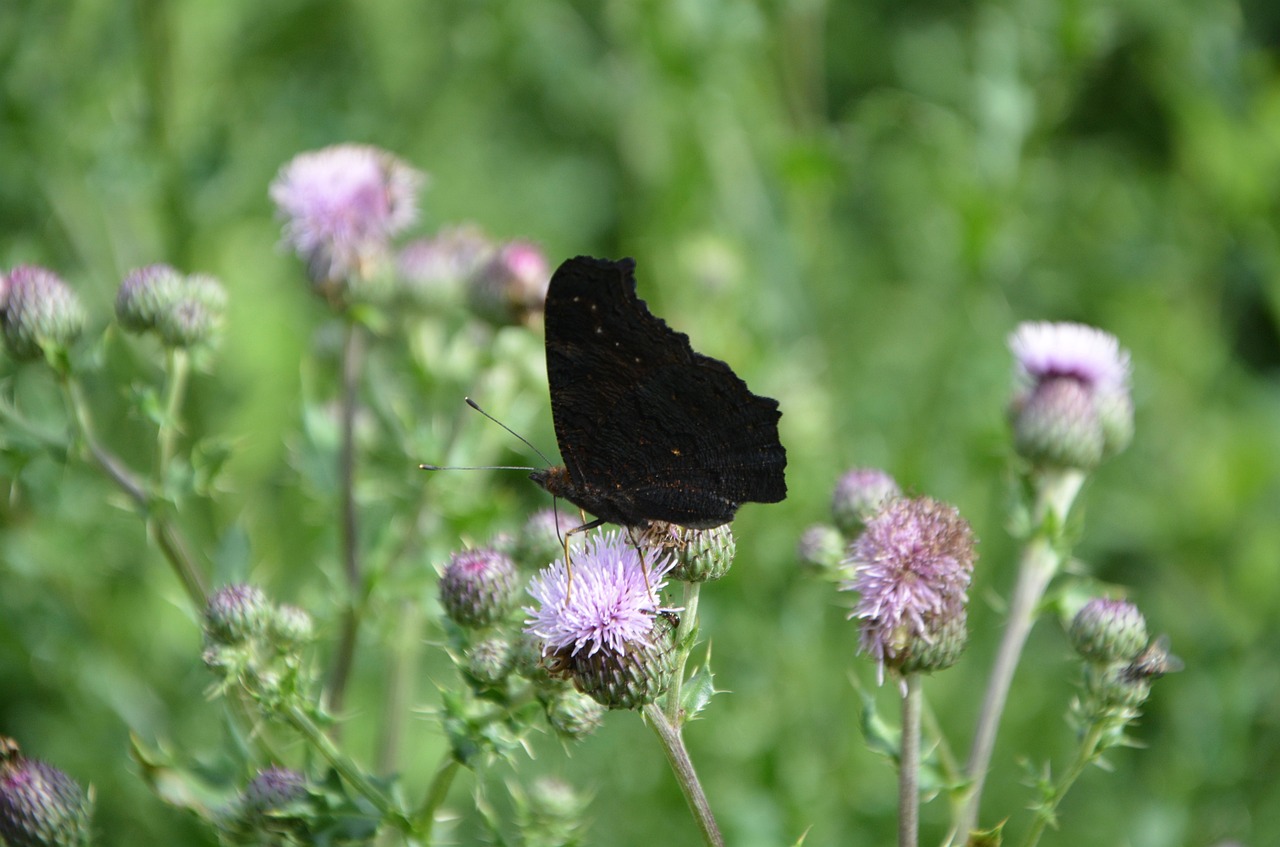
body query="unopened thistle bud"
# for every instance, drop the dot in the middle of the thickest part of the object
(550, 814)
(698, 555)
(236, 614)
(145, 295)
(574, 715)
(1106, 631)
(1072, 407)
(42, 315)
(604, 629)
(821, 547)
(478, 587)
(858, 495)
(291, 627)
(40, 806)
(490, 660)
(912, 568)
(540, 541)
(511, 286)
(273, 788)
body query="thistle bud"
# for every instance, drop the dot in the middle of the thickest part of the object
(626, 679)
(40, 806)
(821, 547)
(145, 295)
(858, 495)
(1106, 631)
(42, 315)
(539, 542)
(236, 614)
(1072, 407)
(273, 788)
(574, 715)
(699, 555)
(512, 285)
(478, 587)
(490, 660)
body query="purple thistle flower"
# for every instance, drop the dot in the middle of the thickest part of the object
(912, 567)
(1072, 407)
(609, 605)
(1045, 350)
(342, 204)
(511, 286)
(39, 804)
(478, 587)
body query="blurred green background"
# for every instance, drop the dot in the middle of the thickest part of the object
(853, 203)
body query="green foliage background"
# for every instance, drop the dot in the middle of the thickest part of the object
(854, 203)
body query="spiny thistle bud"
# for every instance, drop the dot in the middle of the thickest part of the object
(912, 568)
(236, 614)
(859, 494)
(1072, 407)
(604, 629)
(821, 547)
(40, 806)
(341, 206)
(574, 715)
(1106, 631)
(698, 555)
(512, 286)
(196, 315)
(273, 788)
(291, 626)
(490, 660)
(42, 315)
(145, 295)
(478, 587)
(1128, 686)
(539, 541)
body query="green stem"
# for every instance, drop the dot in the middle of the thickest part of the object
(168, 537)
(400, 680)
(352, 355)
(1040, 561)
(685, 635)
(347, 769)
(424, 818)
(178, 367)
(1085, 755)
(682, 766)
(909, 764)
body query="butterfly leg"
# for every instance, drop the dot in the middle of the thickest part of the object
(568, 566)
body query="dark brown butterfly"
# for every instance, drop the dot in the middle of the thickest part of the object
(649, 429)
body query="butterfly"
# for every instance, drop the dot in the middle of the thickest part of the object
(649, 429)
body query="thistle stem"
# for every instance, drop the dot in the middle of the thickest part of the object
(909, 764)
(352, 356)
(168, 537)
(678, 757)
(1040, 561)
(424, 818)
(176, 376)
(685, 636)
(1047, 812)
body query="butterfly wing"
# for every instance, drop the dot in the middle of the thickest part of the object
(659, 430)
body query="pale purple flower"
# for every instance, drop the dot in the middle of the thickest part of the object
(1072, 406)
(912, 567)
(1044, 350)
(608, 604)
(342, 204)
(511, 286)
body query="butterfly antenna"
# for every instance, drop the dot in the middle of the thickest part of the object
(475, 468)
(527, 442)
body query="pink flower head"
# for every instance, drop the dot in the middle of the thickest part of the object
(608, 605)
(1045, 350)
(912, 567)
(342, 204)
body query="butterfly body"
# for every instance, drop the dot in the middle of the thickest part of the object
(649, 429)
